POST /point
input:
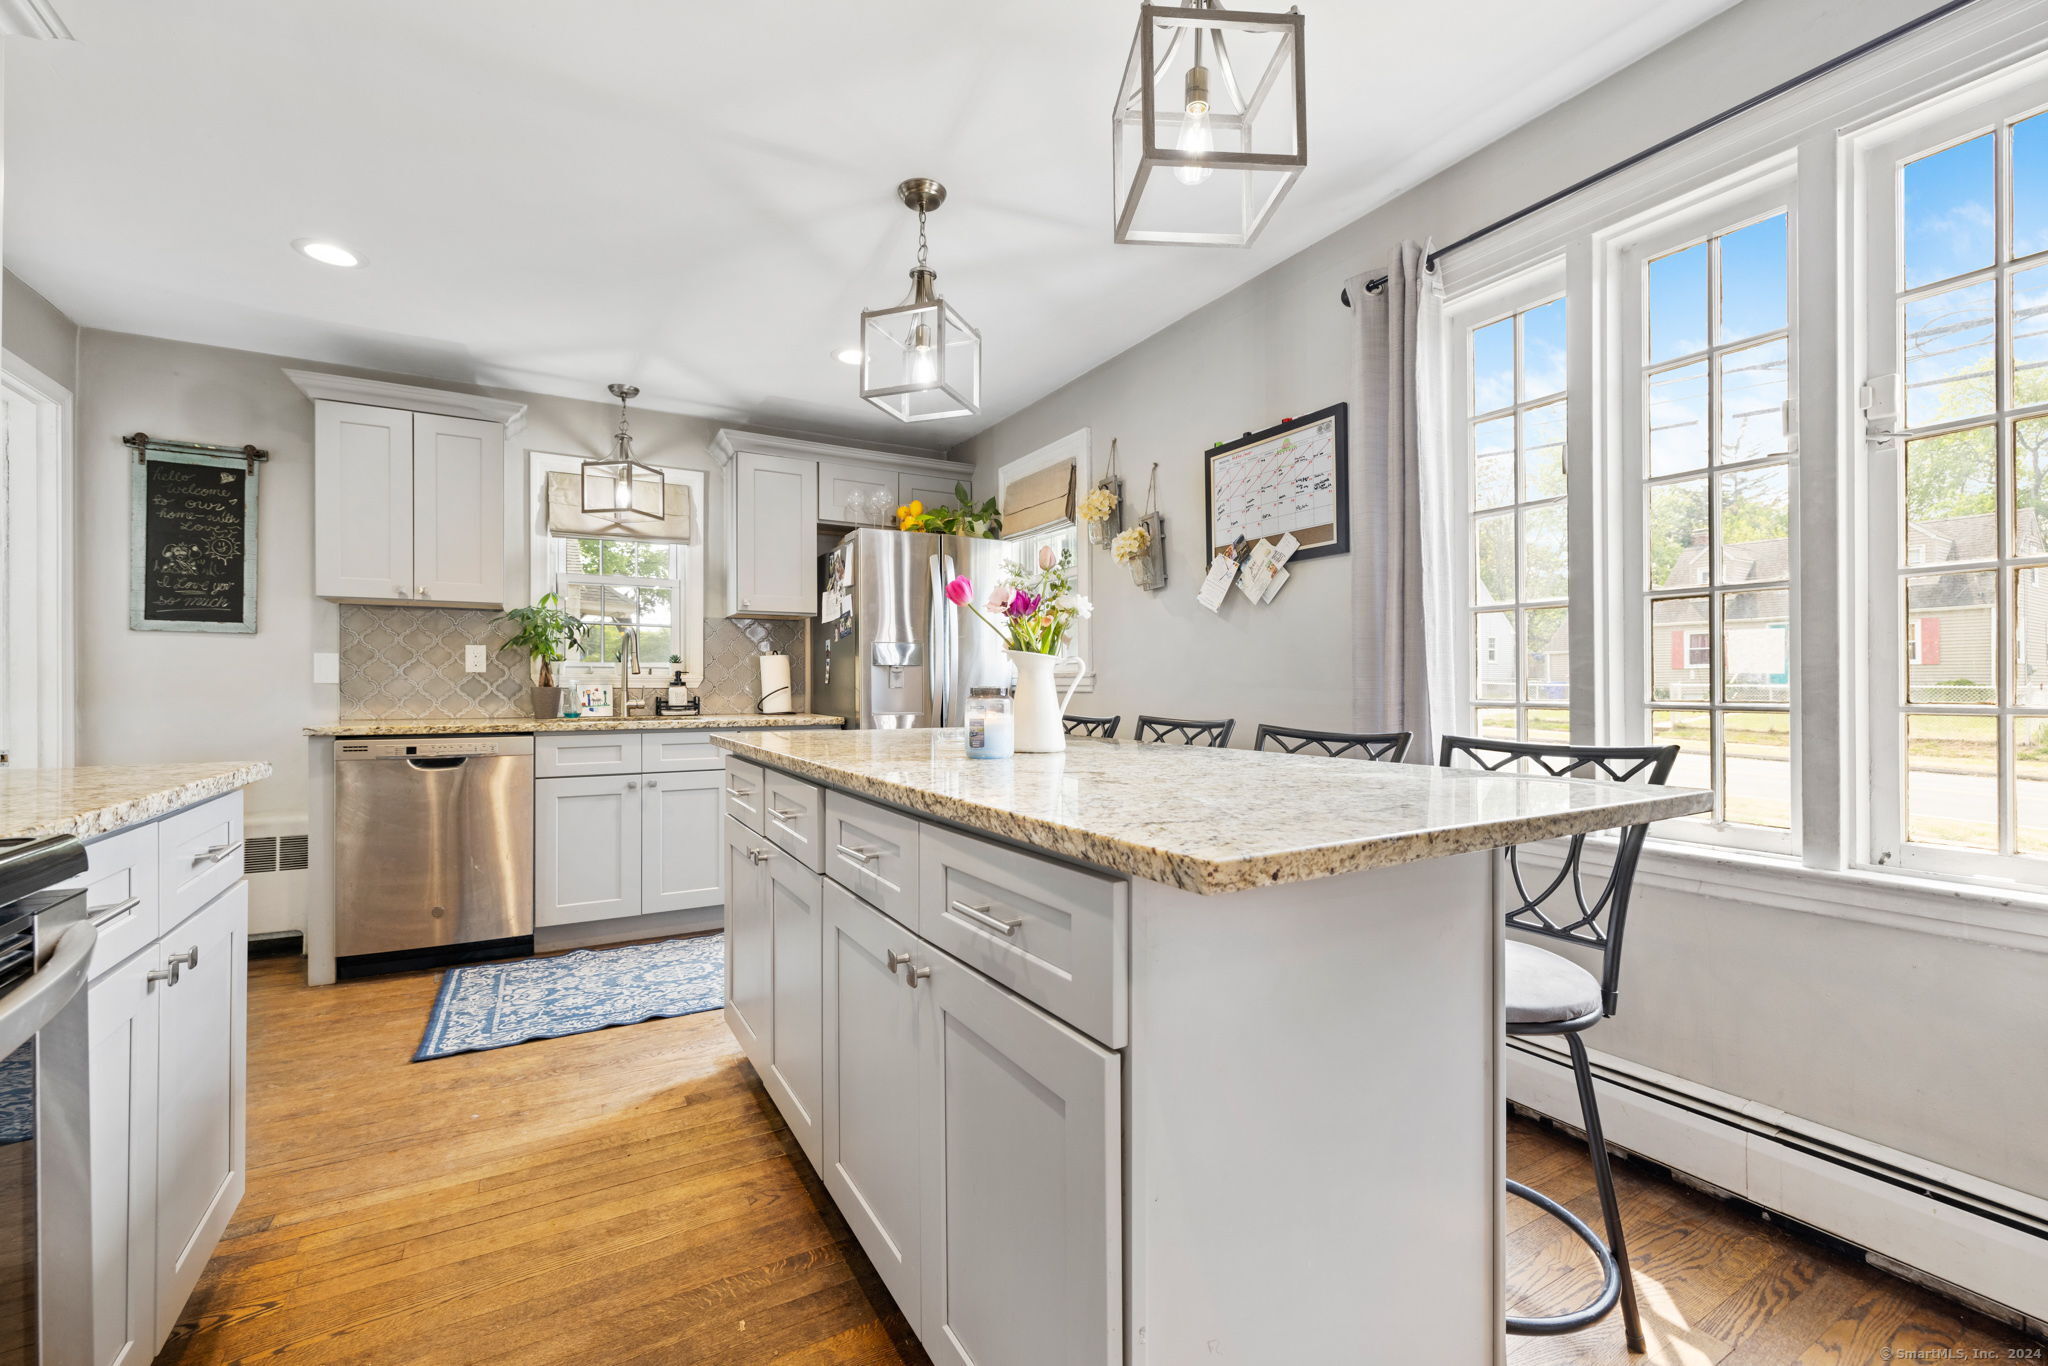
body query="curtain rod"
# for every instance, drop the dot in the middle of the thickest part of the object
(1832, 64)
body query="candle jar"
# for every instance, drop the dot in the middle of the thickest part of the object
(991, 730)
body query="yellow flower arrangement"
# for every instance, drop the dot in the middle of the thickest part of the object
(1098, 505)
(1131, 545)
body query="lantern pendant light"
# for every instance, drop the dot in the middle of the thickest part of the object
(919, 360)
(1211, 125)
(619, 487)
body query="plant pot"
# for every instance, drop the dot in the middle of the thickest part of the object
(547, 702)
(1038, 704)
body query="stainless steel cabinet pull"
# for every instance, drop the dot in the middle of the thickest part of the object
(980, 916)
(916, 975)
(864, 855)
(736, 790)
(102, 916)
(759, 855)
(216, 853)
(782, 815)
(189, 958)
(424, 593)
(897, 960)
(169, 974)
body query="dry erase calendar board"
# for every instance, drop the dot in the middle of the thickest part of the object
(1287, 479)
(192, 553)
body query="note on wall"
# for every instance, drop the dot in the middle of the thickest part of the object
(192, 545)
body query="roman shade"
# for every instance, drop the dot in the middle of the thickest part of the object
(566, 516)
(1044, 498)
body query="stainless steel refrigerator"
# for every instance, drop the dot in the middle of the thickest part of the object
(890, 652)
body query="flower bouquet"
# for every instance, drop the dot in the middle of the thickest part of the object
(1035, 606)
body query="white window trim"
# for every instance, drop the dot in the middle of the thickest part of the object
(40, 726)
(1077, 446)
(1805, 127)
(689, 613)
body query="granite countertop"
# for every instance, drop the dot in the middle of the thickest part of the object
(87, 802)
(527, 725)
(1212, 820)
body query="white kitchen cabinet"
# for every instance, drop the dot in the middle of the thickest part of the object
(121, 1120)
(1022, 1197)
(933, 490)
(408, 507)
(362, 502)
(874, 1059)
(458, 487)
(795, 928)
(586, 849)
(749, 943)
(200, 1140)
(774, 569)
(857, 494)
(681, 853)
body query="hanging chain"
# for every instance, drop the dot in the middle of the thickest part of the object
(922, 246)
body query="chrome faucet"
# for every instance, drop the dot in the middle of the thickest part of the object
(629, 664)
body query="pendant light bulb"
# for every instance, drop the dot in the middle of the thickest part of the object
(1196, 136)
(924, 362)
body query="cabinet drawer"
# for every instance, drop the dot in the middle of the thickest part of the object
(872, 852)
(793, 815)
(586, 756)
(743, 789)
(679, 751)
(199, 856)
(1052, 933)
(120, 894)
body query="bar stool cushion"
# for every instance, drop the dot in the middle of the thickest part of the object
(1544, 988)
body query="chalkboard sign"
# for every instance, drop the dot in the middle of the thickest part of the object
(193, 544)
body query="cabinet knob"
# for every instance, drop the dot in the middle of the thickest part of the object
(897, 960)
(189, 958)
(424, 593)
(399, 589)
(916, 975)
(630, 785)
(169, 974)
(746, 602)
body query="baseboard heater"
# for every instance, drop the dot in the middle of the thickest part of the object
(1641, 1103)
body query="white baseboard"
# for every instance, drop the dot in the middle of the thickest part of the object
(551, 938)
(1986, 1243)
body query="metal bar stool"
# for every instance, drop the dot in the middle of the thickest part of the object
(1101, 727)
(1390, 745)
(1549, 994)
(1165, 730)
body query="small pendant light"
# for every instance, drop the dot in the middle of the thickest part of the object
(619, 487)
(920, 360)
(1211, 125)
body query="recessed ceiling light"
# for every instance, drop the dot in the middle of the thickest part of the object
(847, 355)
(327, 253)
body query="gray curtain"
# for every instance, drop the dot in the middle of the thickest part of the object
(1400, 533)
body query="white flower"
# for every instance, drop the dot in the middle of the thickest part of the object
(1075, 603)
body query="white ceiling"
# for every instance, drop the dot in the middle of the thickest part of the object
(697, 198)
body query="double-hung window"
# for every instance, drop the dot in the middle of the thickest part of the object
(1955, 405)
(1512, 430)
(1702, 365)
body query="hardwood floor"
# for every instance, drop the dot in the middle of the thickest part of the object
(631, 1196)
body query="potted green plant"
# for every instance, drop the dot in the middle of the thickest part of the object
(547, 632)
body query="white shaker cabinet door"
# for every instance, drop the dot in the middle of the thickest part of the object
(682, 843)
(775, 536)
(200, 1169)
(749, 944)
(121, 1013)
(873, 1056)
(458, 482)
(795, 916)
(586, 849)
(363, 502)
(1022, 1199)
(934, 490)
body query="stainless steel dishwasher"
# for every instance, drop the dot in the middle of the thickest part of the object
(433, 851)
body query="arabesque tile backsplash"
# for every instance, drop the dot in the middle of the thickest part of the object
(400, 662)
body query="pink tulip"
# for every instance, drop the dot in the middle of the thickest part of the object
(959, 591)
(1046, 557)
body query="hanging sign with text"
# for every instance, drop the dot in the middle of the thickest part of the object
(193, 544)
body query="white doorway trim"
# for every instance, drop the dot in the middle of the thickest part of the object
(38, 715)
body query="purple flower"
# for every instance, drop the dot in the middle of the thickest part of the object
(1023, 604)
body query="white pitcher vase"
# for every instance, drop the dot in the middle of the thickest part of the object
(1039, 705)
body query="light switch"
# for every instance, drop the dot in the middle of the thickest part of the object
(473, 658)
(326, 668)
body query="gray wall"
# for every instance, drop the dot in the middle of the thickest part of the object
(33, 329)
(1897, 1036)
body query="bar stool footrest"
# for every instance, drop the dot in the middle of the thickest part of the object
(1610, 1274)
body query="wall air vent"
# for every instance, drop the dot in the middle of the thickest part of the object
(274, 854)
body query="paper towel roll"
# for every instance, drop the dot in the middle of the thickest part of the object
(775, 694)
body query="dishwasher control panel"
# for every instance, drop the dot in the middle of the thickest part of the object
(433, 747)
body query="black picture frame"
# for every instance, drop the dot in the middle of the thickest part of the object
(1338, 539)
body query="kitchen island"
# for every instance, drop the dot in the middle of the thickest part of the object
(1144, 1054)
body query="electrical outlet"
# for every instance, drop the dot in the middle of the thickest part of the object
(473, 658)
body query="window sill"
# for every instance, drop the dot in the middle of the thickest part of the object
(2006, 917)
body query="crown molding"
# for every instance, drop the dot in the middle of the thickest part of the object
(730, 441)
(32, 19)
(318, 384)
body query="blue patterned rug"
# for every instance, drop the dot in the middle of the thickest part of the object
(494, 1005)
